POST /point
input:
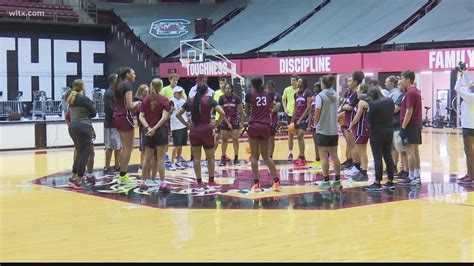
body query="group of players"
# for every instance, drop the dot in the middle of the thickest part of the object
(391, 119)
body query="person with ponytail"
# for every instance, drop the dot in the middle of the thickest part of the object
(258, 107)
(154, 114)
(201, 130)
(80, 129)
(122, 118)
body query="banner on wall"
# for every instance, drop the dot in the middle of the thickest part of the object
(51, 62)
(440, 59)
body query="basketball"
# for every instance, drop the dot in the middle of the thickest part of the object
(291, 129)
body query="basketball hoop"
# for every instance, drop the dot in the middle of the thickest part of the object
(185, 61)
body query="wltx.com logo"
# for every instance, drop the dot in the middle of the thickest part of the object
(25, 13)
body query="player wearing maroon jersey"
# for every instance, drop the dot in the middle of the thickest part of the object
(200, 129)
(122, 118)
(316, 89)
(361, 127)
(232, 106)
(258, 106)
(154, 118)
(270, 87)
(303, 99)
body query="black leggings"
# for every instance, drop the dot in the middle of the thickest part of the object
(81, 135)
(381, 145)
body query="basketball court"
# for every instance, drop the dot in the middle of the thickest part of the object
(44, 221)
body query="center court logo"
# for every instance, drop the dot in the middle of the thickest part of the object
(169, 28)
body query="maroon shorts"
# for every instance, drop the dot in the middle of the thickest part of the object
(361, 140)
(259, 131)
(201, 136)
(121, 123)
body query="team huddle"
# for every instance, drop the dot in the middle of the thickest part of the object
(390, 119)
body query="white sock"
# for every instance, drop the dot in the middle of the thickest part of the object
(411, 174)
(417, 172)
(291, 151)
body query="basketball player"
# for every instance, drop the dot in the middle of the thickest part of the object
(123, 118)
(154, 117)
(232, 106)
(80, 129)
(361, 129)
(112, 136)
(288, 101)
(142, 91)
(325, 119)
(347, 110)
(410, 132)
(258, 106)
(316, 90)
(350, 102)
(465, 89)
(303, 99)
(270, 87)
(200, 133)
(217, 95)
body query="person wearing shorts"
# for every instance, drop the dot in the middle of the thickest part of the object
(154, 114)
(347, 110)
(258, 106)
(361, 129)
(325, 119)
(179, 131)
(232, 106)
(122, 118)
(411, 124)
(303, 99)
(270, 87)
(111, 135)
(288, 102)
(200, 129)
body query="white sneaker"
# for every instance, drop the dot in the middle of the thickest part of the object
(179, 166)
(351, 172)
(172, 167)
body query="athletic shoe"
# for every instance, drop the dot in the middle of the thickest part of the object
(466, 177)
(416, 181)
(180, 166)
(227, 159)
(325, 184)
(212, 183)
(108, 171)
(125, 180)
(347, 166)
(336, 182)
(389, 185)
(151, 183)
(172, 167)
(164, 188)
(236, 161)
(351, 172)
(181, 159)
(298, 161)
(276, 186)
(223, 161)
(290, 157)
(256, 187)
(467, 181)
(360, 177)
(402, 175)
(90, 179)
(374, 187)
(143, 186)
(408, 181)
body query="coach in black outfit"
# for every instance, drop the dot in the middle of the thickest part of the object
(380, 116)
(80, 129)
